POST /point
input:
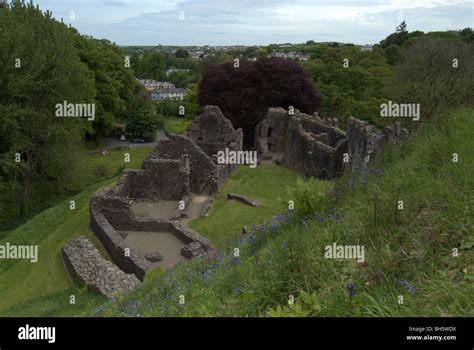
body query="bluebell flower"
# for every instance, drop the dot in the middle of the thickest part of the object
(409, 286)
(352, 289)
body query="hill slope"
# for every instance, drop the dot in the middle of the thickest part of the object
(409, 252)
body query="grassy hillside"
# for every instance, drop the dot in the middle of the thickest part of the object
(22, 281)
(44, 288)
(408, 252)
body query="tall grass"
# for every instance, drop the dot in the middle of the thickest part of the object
(408, 252)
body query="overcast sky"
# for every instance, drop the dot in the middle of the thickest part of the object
(256, 22)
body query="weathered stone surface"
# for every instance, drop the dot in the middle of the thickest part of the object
(213, 132)
(84, 262)
(365, 141)
(203, 175)
(192, 250)
(316, 147)
(271, 132)
(309, 144)
(154, 257)
(244, 199)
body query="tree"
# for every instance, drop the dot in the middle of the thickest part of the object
(37, 73)
(439, 73)
(141, 118)
(402, 28)
(245, 93)
(262, 53)
(181, 53)
(393, 54)
(151, 66)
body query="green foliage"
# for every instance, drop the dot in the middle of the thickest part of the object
(305, 305)
(356, 90)
(438, 73)
(150, 66)
(142, 119)
(44, 63)
(308, 196)
(49, 72)
(393, 54)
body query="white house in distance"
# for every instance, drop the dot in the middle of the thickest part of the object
(151, 84)
(169, 93)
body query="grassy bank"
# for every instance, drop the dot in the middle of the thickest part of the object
(44, 288)
(410, 266)
(46, 282)
(176, 126)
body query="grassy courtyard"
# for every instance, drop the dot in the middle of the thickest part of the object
(266, 183)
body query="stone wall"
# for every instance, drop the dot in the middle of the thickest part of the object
(161, 179)
(365, 141)
(316, 147)
(213, 132)
(271, 133)
(121, 253)
(203, 175)
(84, 263)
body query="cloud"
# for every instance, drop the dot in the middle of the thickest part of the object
(217, 22)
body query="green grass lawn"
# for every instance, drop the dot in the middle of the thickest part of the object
(44, 288)
(113, 164)
(266, 183)
(176, 126)
(22, 281)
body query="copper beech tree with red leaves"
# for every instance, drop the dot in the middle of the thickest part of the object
(244, 93)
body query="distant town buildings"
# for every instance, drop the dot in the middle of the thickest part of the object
(366, 47)
(291, 55)
(151, 84)
(169, 93)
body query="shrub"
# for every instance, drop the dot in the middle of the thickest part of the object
(309, 196)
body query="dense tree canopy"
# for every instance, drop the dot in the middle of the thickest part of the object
(245, 93)
(44, 63)
(438, 73)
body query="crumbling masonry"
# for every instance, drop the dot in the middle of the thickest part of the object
(316, 147)
(176, 170)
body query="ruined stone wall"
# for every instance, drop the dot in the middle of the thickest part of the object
(271, 132)
(213, 132)
(166, 179)
(203, 175)
(365, 141)
(120, 252)
(85, 264)
(314, 148)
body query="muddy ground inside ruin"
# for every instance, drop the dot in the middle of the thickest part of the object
(165, 243)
